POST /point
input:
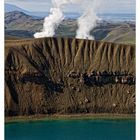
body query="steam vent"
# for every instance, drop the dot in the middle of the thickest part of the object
(65, 76)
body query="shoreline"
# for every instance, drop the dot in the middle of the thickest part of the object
(103, 116)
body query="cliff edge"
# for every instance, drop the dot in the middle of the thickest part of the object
(64, 75)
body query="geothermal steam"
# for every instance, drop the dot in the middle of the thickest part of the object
(86, 22)
(51, 22)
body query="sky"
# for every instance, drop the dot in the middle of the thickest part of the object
(107, 6)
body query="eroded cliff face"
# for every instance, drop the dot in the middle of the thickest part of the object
(56, 75)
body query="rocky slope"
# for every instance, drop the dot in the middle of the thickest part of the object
(62, 76)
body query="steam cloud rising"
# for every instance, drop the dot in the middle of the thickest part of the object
(86, 22)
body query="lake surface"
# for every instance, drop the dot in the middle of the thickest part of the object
(71, 130)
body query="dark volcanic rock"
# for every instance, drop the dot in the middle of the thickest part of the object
(56, 75)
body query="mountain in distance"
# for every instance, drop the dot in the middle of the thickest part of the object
(19, 24)
(11, 8)
(115, 17)
(37, 14)
(124, 33)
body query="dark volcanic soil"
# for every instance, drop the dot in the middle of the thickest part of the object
(63, 76)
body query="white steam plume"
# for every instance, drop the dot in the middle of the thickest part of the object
(86, 22)
(51, 22)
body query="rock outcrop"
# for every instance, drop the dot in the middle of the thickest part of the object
(57, 75)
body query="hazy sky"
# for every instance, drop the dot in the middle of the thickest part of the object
(108, 6)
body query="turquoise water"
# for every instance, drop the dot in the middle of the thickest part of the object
(71, 130)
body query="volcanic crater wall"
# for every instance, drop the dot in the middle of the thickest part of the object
(59, 76)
